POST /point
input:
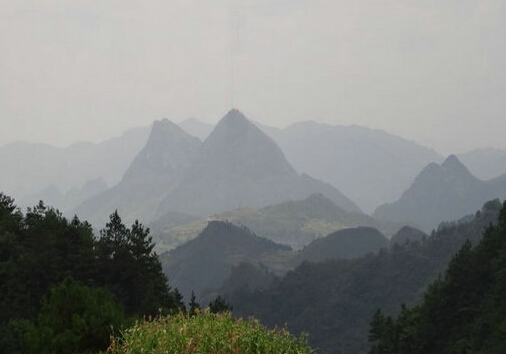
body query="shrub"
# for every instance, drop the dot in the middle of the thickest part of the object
(206, 333)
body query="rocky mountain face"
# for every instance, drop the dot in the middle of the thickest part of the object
(240, 166)
(156, 170)
(370, 166)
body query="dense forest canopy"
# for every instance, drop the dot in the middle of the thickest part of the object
(462, 312)
(62, 287)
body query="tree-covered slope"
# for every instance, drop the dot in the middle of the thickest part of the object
(462, 312)
(203, 263)
(334, 301)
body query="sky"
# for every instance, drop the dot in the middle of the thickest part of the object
(429, 71)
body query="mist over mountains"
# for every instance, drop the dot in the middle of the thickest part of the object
(236, 166)
(30, 168)
(370, 167)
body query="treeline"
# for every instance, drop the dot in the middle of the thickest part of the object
(463, 312)
(334, 301)
(64, 290)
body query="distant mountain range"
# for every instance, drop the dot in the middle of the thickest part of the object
(236, 166)
(485, 163)
(240, 166)
(370, 166)
(29, 168)
(75, 196)
(295, 223)
(442, 192)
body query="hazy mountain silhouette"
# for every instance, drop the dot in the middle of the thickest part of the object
(156, 171)
(204, 262)
(52, 196)
(485, 163)
(408, 233)
(370, 166)
(442, 192)
(343, 244)
(29, 168)
(240, 166)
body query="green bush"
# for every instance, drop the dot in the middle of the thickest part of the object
(75, 319)
(206, 333)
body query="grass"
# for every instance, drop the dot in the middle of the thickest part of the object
(206, 333)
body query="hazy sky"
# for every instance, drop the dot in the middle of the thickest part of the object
(430, 71)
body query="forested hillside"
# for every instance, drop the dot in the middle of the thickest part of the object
(462, 312)
(334, 301)
(63, 290)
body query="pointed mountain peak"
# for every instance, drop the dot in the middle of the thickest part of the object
(165, 128)
(452, 163)
(235, 122)
(234, 115)
(169, 148)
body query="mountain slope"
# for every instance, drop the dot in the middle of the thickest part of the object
(295, 223)
(441, 192)
(64, 202)
(462, 312)
(204, 262)
(156, 170)
(485, 163)
(408, 234)
(370, 166)
(29, 168)
(334, 301)
(239, 166)
(343, 244)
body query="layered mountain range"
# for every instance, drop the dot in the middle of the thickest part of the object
(30, 170)
(236, 166)
(370, 166)
(442, 192)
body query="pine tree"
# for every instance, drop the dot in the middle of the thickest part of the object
(194, 305)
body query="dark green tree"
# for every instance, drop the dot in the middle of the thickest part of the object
(75, 319)
(178, 299)
(219, 305)
(194, 305)
(131, 269)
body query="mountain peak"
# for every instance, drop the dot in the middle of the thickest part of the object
(164, 128)
(452, 161)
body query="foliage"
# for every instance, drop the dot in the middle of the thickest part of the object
(76, 318)
(206, 333)
(194, 305)
(334, 301)
(219, 304)
(129, 265)
(462, 312)
(41, 250)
